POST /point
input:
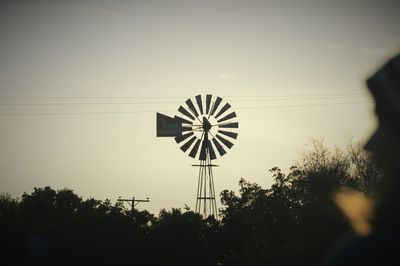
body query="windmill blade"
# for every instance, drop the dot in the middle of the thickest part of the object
(219, 147)
(199, 103)
(215, 106)
(193, 152)
(185, 112)
(202, 156)
(208, 102)
(191, 107)
(230, 125)
(229, 134)
(186, 146)
(226, 142)
(212, 152)
(182, 120)
(187, 129)
(223, 109)
(227, 117)
(181, 138)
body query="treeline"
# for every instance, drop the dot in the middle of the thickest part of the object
(294, 222)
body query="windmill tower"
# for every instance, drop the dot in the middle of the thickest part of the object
(201, 132)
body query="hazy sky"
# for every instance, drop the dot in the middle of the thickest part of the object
(179, 49)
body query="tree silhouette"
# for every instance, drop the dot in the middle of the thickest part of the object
(293, 222)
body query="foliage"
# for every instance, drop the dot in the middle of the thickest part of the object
(293, 222)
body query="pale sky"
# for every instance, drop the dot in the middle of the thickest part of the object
(179, 49)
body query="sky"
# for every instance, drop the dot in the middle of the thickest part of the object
(81, 82)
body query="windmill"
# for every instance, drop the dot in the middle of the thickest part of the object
(200, 132)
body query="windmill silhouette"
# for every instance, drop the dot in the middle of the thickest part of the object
(200, 132)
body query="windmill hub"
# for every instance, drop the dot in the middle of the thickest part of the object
(206, 124)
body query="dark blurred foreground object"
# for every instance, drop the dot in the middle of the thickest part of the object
(380, 246)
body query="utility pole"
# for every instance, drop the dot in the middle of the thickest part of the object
(133, 202)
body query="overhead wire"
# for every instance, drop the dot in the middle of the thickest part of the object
(257, 99)
(243, 99)
(180, 97)
(153, 111)
(297, 105)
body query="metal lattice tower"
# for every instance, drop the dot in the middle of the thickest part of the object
(205, 202)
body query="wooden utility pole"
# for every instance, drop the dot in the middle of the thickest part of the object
(133, 202)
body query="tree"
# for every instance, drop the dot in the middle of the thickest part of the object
(295, 220)
(292, 222)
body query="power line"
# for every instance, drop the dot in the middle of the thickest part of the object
(163, 102)
(89, 97)
(299, 95)
(298, 105)
(302, 98)
(84, 103)
(179, 97)
(81, 113)
(150, 111)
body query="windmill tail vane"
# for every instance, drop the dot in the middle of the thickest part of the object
(203, 132)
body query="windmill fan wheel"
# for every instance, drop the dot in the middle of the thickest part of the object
(207, 125)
